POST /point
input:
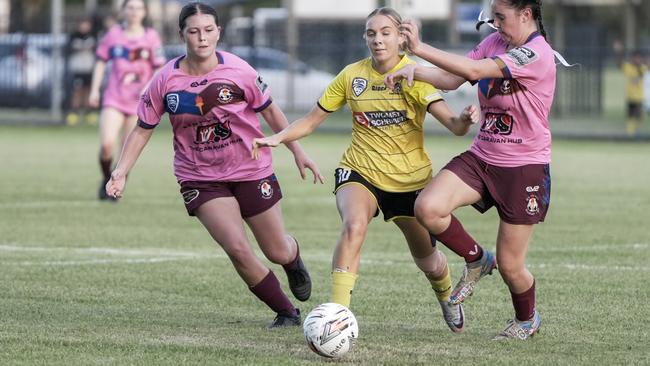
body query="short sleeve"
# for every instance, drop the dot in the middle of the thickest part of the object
(334, 96)
(152, 106)
(104, 47)
(528, 62)
(422, 94)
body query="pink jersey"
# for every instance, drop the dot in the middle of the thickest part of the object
(515, 109)
(213, 117)
(133, 61)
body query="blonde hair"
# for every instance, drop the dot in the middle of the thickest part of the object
(391, 14)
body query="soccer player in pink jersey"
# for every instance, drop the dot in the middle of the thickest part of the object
(507, 165)
(212, 98)
(134, 53)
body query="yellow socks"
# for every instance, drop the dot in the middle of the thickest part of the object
(441, 286)
(342, 285)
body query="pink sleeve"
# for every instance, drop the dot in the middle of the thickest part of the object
(158, 52)
(258, 90)
(528, 63)
(152, 104)
(103, 48)
(481, 50)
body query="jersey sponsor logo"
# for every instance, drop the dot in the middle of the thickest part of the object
(213, 132)
(359, 85)
(380, 118)
(189, 196)
(266, 189)
(532, 205)
(173, 100)
(225, 94)
(497, 124)
(261, 85)
(522, 56)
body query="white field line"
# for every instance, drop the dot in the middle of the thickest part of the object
(157, 255)
(73, 203)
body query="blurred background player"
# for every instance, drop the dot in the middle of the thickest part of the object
(507, 165)
(212, 98)
(634, 70)
(134, 52)
(386, 165)
(81, 57)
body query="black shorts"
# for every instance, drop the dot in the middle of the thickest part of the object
(392, 204)
(521, 194)
(634, 110)
(254, 197)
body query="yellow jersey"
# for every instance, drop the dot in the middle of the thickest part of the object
(634, 75)
(387, 146)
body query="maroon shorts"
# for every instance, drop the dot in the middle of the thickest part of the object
(521, 194)
(254, 197)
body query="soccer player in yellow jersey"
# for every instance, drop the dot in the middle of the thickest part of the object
(634, 71)
(386, 165)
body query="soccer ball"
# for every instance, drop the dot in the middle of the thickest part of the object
(331, 330)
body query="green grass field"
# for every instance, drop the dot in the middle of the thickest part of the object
(141, 283)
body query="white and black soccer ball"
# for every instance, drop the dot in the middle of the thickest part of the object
(331, 330)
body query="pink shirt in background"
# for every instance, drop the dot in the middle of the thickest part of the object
(133, 61)
(213, 117)
(514, 129)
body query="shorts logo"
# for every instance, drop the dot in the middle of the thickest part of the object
(531, 189)
(225, 95)
(266, 189)
(189, 196)
(497, 123)
(173, 101)
(522, 56)
(342, 175)
(532, 207)
(359, 85)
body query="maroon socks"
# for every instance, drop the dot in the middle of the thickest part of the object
(460, 242)
(268, 290)
(524, 303)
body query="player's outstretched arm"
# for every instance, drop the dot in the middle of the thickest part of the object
(285, 133)
(439, 78)
(458, 125)
(295, 131)
(135, 142)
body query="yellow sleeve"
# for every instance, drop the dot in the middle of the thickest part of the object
(334, 96)
(421, 93)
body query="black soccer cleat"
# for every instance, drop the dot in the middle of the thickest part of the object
(285, 319)
(299, 281)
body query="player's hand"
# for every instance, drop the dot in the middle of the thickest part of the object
(93, 99)
(115, 185)
(409, 30)
(407, 72)
(271, 141)
(302, 162)
(470, 115)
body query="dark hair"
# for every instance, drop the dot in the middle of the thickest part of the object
(194, 8)
(145, 21)
(534, 5)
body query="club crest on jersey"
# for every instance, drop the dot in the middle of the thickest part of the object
(225, 94)
(144, 54)
(532, 205)
(266, 189)
(173, 101)
(522, 56)
(359, 85)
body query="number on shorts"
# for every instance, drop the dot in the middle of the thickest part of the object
(342, 175)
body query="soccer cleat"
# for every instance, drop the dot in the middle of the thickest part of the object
(299, 281)
(454, 316)
(472, 273)
(285, 319)
(516, 329)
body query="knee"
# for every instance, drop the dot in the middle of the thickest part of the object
(239, 252)
(354, 230)
(429, 213)
(510, 271)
